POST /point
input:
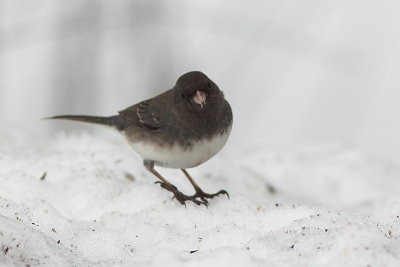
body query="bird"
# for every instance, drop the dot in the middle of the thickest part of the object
(180, 128)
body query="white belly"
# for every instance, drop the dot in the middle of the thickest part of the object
(178, 158)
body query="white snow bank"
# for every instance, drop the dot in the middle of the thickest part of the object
(322, 204)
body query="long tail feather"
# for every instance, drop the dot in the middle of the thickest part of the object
(113, 121)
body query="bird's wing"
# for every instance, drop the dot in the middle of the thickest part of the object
(147, 115)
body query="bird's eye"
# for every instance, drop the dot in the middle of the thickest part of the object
(183, 95)
(209, 85)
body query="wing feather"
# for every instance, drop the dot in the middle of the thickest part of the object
(147, 115)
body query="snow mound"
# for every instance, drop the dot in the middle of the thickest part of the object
(80, 199)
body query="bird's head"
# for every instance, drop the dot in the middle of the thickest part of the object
(197, 92)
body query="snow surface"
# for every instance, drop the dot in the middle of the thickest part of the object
(321, 204)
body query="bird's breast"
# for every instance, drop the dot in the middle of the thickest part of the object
(179, 157)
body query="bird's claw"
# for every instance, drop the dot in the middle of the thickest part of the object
(199, 198)
(178, 195)
(203, 196)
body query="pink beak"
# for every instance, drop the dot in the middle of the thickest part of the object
(200, 98)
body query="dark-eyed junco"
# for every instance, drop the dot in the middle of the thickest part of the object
(180, 128)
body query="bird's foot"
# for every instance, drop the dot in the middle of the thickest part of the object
(182, 198)
(203, 196)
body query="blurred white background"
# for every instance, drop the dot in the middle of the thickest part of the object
(293, 71)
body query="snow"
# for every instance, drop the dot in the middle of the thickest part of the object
(314, 88)
(324, 203)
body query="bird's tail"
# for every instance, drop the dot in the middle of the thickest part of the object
(113, 121)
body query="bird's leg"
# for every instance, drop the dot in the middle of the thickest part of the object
(199, 193)
(182, 198)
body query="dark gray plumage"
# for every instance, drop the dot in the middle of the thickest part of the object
(180, 128)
